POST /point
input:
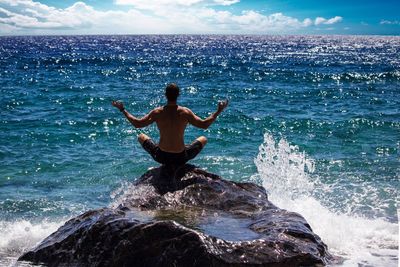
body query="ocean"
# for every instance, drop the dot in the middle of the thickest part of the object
(314, 119)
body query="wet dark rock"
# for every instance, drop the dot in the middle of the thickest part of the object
(184, 217)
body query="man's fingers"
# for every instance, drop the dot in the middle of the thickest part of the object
(116, 103)
(223, 103)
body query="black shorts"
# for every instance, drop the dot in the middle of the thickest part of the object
(169, 158)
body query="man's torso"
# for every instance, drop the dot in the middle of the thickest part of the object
(171, 121)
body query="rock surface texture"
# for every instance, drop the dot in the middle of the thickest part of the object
(184, 217)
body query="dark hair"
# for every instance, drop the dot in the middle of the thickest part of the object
(172, 92)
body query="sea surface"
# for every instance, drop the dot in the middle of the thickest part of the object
(314, 119)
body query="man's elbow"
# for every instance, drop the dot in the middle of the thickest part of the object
(205, 125)
(138, 125)
(201, 126)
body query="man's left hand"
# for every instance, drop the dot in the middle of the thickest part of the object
(222, 105)
(119, 105)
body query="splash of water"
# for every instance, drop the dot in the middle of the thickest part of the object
(282, 166)
(20, 236)
(129, 192)
(285, 173)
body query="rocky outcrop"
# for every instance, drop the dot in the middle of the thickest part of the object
(184, 217)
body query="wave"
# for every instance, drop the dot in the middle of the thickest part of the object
(20, 236)
(285, 172)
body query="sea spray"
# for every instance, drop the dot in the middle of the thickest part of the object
(128, 192)
(282, 166)
(285, 172)
(20, 236)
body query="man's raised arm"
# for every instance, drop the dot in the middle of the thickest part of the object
(138, 123)
(204, 124)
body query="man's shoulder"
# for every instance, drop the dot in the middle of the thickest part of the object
(157, 110)
(184, 109)
(155, 113)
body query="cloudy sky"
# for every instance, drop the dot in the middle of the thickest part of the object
(27, 17)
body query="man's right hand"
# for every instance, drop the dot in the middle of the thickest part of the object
(119, 105)
(222, 105)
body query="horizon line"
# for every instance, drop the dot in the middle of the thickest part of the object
(202, 34)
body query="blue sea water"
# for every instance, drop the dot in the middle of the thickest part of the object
(315, 119)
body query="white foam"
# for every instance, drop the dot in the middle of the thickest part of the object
(284, 172)
(19, 236)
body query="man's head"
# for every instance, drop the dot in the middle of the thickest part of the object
(172, 92)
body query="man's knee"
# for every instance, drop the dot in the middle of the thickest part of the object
(202, 140)
(142, 138)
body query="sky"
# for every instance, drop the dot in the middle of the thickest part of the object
(58, 17)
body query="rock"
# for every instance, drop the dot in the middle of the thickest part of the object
(185, 217)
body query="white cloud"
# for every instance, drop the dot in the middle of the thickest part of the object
(226, 2)
(148, 4)
(274, 22)
(390, 22)
(307, 22)
(321, 20)
(163, 16)
(152, 3)
(34, 18)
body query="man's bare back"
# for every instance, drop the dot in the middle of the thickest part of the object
(171, 121)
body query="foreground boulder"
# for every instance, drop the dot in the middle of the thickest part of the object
(184, 217)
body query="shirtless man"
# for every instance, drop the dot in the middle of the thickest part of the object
(171, 121)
